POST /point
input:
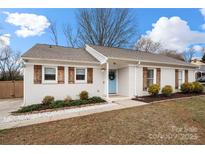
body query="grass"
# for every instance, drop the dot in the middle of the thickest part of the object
(58, 104)
(171, 122)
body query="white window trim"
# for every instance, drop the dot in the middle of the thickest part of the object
(49, 81)
(81, 81)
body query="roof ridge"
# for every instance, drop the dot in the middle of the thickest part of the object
(61, 46)
(144, 52)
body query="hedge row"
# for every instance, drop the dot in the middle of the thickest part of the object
(192, 87)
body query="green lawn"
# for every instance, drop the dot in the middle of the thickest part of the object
(174, 122)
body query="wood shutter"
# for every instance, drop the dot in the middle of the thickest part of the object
(186, 76)
(60, 74)
(176, 79)
(144, 78)
(158, 76)
(89, 75)
(71, 75)
(37, 74)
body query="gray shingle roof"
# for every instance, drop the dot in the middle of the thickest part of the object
(111, 52)
(43, 51)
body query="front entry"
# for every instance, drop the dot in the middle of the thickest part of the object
(112, 82)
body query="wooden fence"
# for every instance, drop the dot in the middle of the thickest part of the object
(11, 89)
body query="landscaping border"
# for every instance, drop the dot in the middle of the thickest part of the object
(161, 98)
(57, 109)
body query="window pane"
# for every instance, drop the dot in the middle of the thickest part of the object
(80, 74)
(180, 83)
(150, 77)
(150, 74)
(50, 77)
(80, 71)
(49, 73)
(80, 77)
(149, 82)
(180, 74)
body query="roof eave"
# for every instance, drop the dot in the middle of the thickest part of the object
(60, 60)
(146, 61)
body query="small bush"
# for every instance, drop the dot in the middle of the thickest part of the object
(48, 100)
(154, 89)
(58, 104)
(79, 102)
(96, 100)
(198, 87)
(167, 90)
(83, 95)
(67, 99)
(187, 87)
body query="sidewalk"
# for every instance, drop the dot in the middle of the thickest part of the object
(24, 120)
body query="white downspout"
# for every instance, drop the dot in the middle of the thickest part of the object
(135, 81)
(107, 80)
(24, 85)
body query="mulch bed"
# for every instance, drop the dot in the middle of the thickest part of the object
(161, 97)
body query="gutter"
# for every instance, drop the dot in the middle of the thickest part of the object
(60, 60)
(129, 59)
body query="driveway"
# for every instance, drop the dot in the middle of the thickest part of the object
(9, 105)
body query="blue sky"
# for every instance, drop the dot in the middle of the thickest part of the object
(145, 18)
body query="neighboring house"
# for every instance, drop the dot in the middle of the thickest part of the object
(200, 71)
(102, 71)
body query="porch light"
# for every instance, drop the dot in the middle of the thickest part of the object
(102, 69)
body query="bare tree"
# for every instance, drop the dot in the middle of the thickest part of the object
(146, 44)
(10, 64)
(53, 32)
(106, 27)
(71, 38)
(189, 54)
(172, 53)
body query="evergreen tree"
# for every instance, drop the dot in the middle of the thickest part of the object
(203, 58)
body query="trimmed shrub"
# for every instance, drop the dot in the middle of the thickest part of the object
(154, 89)
(48, 100)
(58, 104)
(67, 99)
(187, 87)
(79, 102)
(83, 95)
(167, 90)
(198, 87)
(96, 100)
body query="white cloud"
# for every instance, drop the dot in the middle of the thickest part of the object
(174, 33)
(203, 12)
(29, 24)
(5, 40)
(198, 48)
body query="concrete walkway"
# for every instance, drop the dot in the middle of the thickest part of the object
(11, 121)
(9, 105)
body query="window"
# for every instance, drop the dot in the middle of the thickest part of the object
(80, 74)
(50, 74)
(180, 78)
(150, 77)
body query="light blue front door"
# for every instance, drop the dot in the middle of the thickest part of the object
(112, 82)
